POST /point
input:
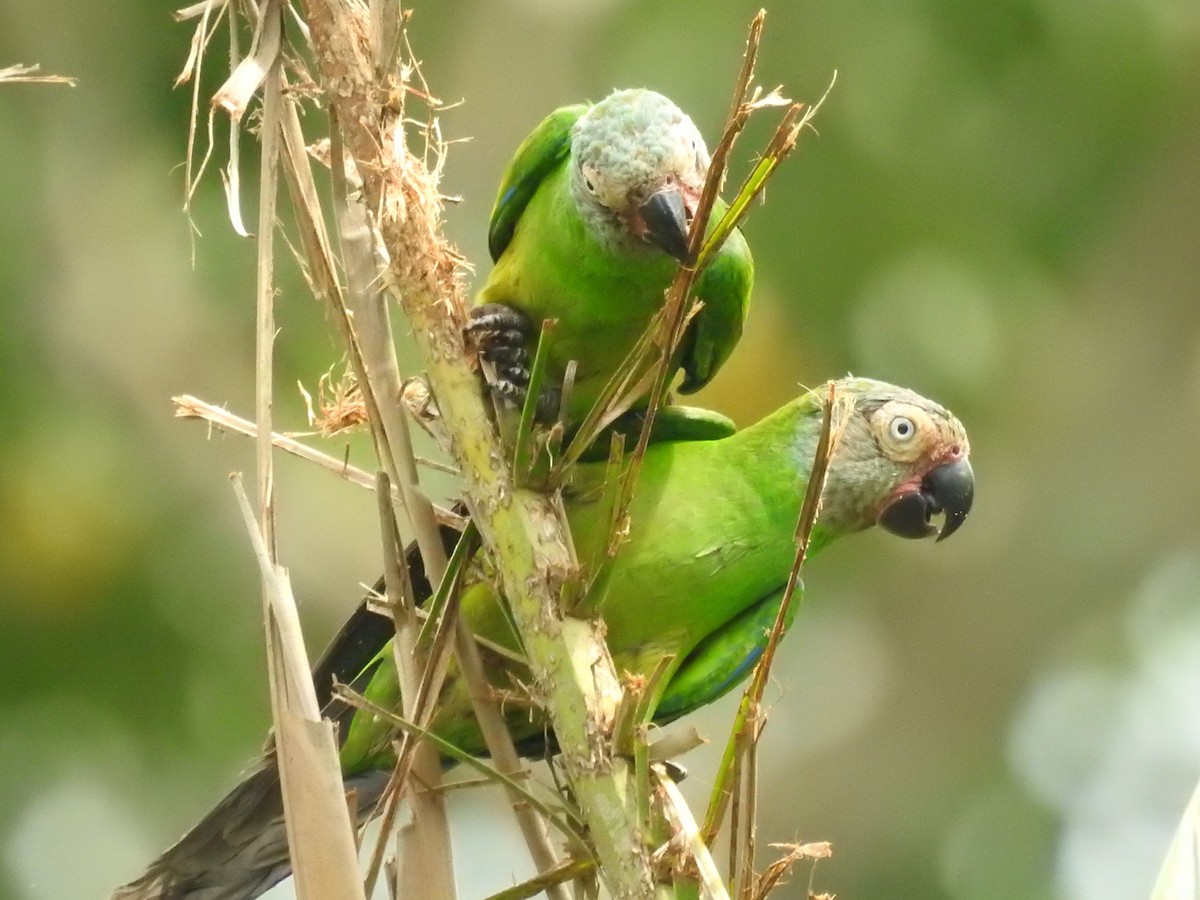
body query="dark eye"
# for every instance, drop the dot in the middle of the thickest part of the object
(902, 428)
(589, 177)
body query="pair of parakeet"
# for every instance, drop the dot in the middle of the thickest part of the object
(589, 227)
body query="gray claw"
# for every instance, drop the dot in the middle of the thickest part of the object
(505, 337)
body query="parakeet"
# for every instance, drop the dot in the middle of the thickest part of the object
(699, 579)
(589, 228)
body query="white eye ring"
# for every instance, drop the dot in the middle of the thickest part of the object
(902, 429)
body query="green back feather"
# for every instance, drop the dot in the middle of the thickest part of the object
(539, 154)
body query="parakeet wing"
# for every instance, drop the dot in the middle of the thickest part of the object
(539, 154)
(714, 331)
(723, 659)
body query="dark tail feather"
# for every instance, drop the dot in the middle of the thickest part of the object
(239, 850)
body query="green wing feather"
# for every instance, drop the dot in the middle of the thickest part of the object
(690, 423)
(714, 331)
(539, 154)
(711, 542)
(558, 273)
(723, 659)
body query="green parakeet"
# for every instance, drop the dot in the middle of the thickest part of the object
(589, 228)
(700, 578)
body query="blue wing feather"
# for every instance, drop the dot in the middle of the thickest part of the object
(723, 659)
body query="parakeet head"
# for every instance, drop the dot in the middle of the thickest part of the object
(902, 461)
(637, 169)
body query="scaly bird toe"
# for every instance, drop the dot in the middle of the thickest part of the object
(504, 337)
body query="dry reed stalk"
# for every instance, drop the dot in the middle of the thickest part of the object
(19, 73)
(423, 270)
(388, 215)
(524, 530)
(679, 817)
(189, 407)
(320, 834)
(736, 779)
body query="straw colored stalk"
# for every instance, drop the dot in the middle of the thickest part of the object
(570, 664)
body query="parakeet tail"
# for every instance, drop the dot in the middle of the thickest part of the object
(239, 850)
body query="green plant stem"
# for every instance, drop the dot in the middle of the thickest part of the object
(524, 530)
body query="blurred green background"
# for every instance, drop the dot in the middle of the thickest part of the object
(1002, 211)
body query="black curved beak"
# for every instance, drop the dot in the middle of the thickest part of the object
(948, 489)
(667, 223)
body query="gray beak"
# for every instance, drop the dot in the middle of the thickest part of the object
(666, 222)
(948, 489)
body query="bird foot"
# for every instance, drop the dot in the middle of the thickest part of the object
(505, 337)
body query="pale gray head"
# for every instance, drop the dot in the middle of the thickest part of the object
(901, 461)
(638, 166)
